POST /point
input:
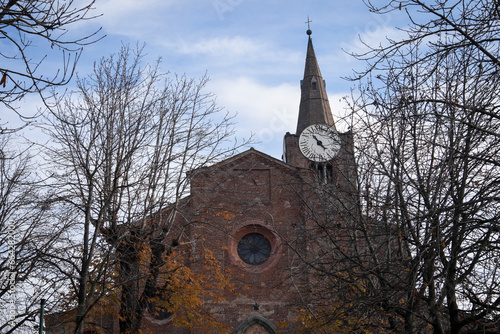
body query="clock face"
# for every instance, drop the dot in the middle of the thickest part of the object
(319, 142)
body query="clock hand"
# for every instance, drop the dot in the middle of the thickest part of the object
(319, 142)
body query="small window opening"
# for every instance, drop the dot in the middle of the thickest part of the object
(324, 171)
(314, 83)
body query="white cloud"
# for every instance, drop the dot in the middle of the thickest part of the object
(268, 112)
(255, 102)
(221, 47)
(131, 17)
(232, 58)
(117, 8)
(231, 50)
(374, 38)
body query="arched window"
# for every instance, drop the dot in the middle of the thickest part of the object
(324, 170)
(314, 83)
(257, 324)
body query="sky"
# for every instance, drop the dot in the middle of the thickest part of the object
(253, 51)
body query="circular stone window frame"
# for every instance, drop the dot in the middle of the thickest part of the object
(153, 319)
(254, 227)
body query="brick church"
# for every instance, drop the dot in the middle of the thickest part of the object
(268, 202)
(256, 214)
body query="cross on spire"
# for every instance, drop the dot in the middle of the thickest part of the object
(309, 32)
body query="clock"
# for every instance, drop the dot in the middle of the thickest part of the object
(319, 142)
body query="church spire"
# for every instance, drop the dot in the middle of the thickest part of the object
(314, 106)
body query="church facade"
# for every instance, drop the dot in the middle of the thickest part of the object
(253, 211)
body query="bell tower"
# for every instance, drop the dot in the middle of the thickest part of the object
(314, 107)
(319, 142)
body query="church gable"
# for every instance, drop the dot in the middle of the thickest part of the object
(250, 178)
(251, 158)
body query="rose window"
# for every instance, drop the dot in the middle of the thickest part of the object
(254, 248)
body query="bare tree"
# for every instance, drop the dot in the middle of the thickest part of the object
(428, 141)
(436, 31)
(26, 28)
(431, 142)
(32, 34)
(445, 27)
(423, 254)
(122, 148)
(27, 232)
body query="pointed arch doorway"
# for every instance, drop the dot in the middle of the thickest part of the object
(256, 325)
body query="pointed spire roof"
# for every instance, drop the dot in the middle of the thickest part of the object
(314, 106)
